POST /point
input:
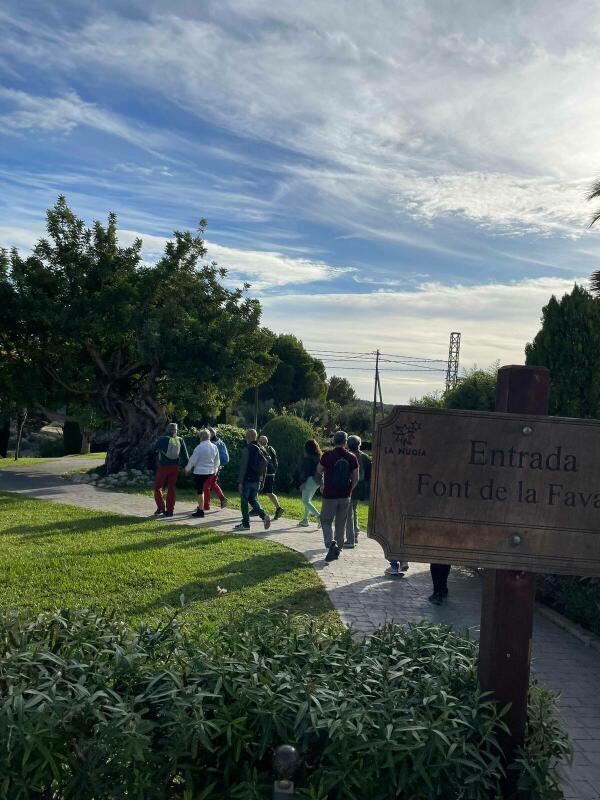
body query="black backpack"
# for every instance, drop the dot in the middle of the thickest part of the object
(341, 475)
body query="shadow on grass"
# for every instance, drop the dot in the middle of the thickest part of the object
(236, 576)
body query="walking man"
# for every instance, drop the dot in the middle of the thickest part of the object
(171, 452)
(253, 467)
(340, 476)
(269, 484)
(205, 463)
(360, 492)
(212, 485)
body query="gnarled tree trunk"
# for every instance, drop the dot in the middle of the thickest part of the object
(139, 423)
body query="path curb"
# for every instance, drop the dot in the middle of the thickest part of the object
(586, 637)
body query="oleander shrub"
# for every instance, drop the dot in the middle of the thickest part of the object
(287, 434)
(91, 709)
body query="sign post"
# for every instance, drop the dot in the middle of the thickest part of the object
(513, 491)
(509, 596)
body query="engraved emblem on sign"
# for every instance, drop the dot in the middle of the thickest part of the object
(405, 434)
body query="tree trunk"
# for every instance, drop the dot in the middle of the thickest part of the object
(4, 436)
(140, 423)
(86, 437)
(21, 419)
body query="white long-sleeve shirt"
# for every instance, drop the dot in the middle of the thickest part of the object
(204, 460)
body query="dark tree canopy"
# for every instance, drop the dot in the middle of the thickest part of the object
(297, 376)
(91, 324)
(340, 391)
(568, 344)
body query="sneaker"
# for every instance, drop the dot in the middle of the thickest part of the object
(437, 598)
(241, 527)
(198, 513)
(318, 523)
(392, 571)
(159, 512)
(303, 523)
(267, 521)
(278, 513)
(403, 566)
(333, 553)
(224, 503)
(349, 545)
(168, 513)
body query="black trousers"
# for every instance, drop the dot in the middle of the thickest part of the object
(439, 576)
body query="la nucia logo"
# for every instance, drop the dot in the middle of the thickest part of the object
(405, 434)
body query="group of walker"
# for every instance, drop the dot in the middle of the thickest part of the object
(342, 475)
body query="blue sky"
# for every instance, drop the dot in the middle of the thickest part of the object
(381, 173)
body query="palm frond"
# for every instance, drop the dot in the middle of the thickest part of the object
(594, 191)
(595, 283)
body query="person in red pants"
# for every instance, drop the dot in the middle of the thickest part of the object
(171, 452)
(212, 485)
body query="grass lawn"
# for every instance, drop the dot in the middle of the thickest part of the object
(24, 462)
(58, 556)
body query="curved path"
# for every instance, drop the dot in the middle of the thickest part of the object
(365, 598)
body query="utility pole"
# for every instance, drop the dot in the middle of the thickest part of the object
(453, 355)
(376, 387)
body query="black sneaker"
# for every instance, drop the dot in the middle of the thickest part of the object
(241, 527)
(224, 503)
(333, 553)
(159, 512)
(278, 513)
(437, 598)
(403, 567)
(198, 513)
(168, 513)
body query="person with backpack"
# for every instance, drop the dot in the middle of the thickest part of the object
(339, 468)
(204, 461)
(310, 481)
(269, 482)
(212, 485)
(170, 452)
(253, 468)
(360, 492)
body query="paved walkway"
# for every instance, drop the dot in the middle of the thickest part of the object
(365, 598)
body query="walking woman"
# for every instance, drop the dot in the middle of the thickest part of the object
(310, 480)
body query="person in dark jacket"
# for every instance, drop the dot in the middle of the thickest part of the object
(170, 452)
(268, 486)
(360, 492)
(310, 481)
(253, 465)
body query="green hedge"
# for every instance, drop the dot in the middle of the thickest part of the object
(576, 598)
(287, 434)
(234, 438)
(92, 709)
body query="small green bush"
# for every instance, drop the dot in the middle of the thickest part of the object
(90, 708)
(287, 434)
(575, 597)
(234, 438)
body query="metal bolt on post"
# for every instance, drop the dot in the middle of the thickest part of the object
(285, 763)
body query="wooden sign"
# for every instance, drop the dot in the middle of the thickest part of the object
(498, 490)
